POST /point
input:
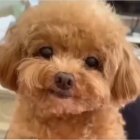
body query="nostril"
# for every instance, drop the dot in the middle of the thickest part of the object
(69, 82)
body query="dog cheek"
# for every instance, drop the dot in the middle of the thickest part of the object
(34, 74)
(92, 86)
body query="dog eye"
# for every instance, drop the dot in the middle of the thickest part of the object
(46, 52)
(92, 62)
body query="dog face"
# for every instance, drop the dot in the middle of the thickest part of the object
(64, 61)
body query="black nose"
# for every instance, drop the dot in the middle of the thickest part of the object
(64, 80)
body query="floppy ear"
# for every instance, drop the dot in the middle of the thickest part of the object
(126, 84)
(9, 57)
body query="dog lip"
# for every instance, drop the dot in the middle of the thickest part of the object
(60, 93)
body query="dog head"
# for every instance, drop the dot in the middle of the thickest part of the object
(70, 57)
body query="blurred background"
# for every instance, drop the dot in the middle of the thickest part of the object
(11, 10)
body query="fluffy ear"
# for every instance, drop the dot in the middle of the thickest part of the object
(9, 57)
(126, 84)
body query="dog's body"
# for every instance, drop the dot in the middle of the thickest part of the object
(71, 72)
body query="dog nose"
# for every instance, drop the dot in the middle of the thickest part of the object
(64, 80)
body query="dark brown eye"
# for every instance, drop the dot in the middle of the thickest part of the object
(92, 62)
(46, 52)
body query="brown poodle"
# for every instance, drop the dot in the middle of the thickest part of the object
(72, 70)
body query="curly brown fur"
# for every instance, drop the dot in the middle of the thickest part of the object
(75, 30)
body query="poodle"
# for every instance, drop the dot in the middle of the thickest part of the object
(72, 70)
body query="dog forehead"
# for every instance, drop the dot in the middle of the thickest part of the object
(67, 38)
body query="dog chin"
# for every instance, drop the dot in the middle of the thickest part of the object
(59, 105)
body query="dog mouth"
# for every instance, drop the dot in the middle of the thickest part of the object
(64, 94)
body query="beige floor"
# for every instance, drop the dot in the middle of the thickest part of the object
(6, 108)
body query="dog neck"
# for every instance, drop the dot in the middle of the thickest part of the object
(74, 125)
